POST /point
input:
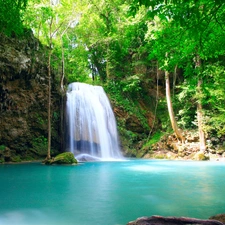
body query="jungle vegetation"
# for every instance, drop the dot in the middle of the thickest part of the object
(118, 43)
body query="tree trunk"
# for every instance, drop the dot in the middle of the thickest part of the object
(170, 109)
(62, 87)
(200, 130)
(49, 91)
(107, 69)
(62, 132)
(199, 111)
(49, 106)
(63, 69)
(200, 121)
(62, 98)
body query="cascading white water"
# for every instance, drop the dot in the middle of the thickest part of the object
(92, 131)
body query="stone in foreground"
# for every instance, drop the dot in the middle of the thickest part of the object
(219, 217)
(159, 220)
(63, 158)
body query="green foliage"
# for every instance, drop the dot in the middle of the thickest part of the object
(58, 22)
(163, 116)
(127, 134)
(56, 116)
(127, 100)
(214, 124)
(214, 92)
(132, 84)
(154, 139)
(16, 158)
(40, 145)
(100, 39)
(2, 147)
(11, 13)
(185, 102)
(40, 120)
(111, 40)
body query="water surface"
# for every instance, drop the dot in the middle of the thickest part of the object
(109, 193)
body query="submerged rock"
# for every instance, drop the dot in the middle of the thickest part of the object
(63, 158)
(159, 220)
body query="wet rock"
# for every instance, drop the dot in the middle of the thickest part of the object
(219, 217)
(159, 220)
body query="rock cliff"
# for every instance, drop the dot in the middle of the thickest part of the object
(23, 99)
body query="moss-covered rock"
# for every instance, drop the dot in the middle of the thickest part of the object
(200, 156)
(63, 158)
(2, 160)
(16, 158)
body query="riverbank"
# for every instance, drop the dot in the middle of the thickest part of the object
(169, 147)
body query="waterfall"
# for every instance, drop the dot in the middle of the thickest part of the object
(91, 125)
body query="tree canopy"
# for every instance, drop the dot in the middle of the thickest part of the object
(125, 45)
(11, 13)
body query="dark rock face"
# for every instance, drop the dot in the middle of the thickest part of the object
(131, 129)
(23, 98)
(159, 220)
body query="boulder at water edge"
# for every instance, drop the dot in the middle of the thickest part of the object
(63, 158)
(159, 220)
(219, 217)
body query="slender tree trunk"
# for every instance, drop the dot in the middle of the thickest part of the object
(49, 91)
(49, 106)
(63, 69)
(174, 79)
(200, 122)
(62, 131)
(170, 109)
(62, 87)
(62, 97)
(107, 64)
(199, 111)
